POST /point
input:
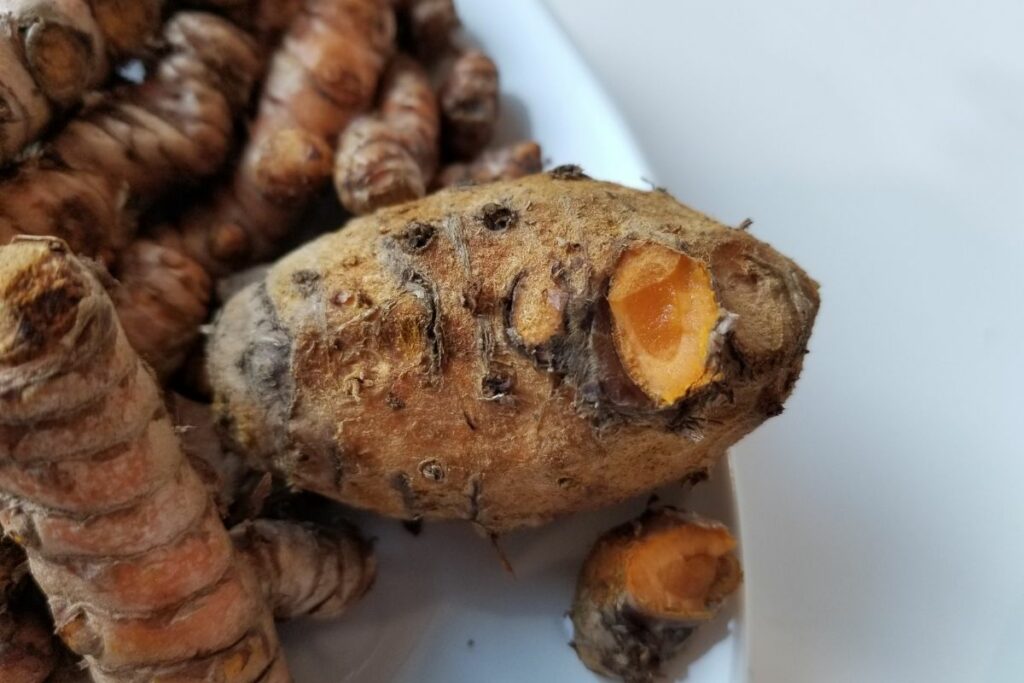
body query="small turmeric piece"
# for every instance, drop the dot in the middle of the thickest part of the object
(121, 536)
(469, 105)
(391, 156)
(646, 587)
(307, 570)
(504, 163)
(52, 52)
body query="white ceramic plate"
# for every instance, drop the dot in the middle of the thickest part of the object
(443, 608)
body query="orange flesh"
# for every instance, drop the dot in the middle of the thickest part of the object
(682, 572)
(663, 313)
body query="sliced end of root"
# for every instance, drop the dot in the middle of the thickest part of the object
(664, 313)
(683, 572)
(62, 60)
(40, 290)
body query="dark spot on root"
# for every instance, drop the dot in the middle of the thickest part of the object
(394, 402)
(306, 281)
(416, 237)
(498, 218)
(469, 421)
(566, 482)
(496, 386)
(568, 172)
(432, 470)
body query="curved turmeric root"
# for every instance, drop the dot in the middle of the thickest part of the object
(323, 75)
(52, 52)
(122, 538)
(390, 157)
(307, 570)
(644, 589)
(117, 156)
(504, 163)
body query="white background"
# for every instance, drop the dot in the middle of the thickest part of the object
(881, 144)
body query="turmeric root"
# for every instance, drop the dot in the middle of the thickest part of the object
(138, 570)
(391, 156)
(162, 301)
(307, 571)
(505, 163)
(510, 352)
(644, 589)
(324, 74)
(87, 184)
(469, 105)
(54, 51)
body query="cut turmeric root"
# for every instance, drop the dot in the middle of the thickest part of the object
(646, 586)
(664, 313)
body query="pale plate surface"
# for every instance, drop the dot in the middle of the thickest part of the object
(443, 608)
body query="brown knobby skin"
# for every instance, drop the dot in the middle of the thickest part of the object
(503, 163)
(391, 156)
(646, 586)
(139, 572)
(323, 75)
(87, 184)
(52, 52)
(457, 357)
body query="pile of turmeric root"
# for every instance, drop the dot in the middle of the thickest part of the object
(186, 407)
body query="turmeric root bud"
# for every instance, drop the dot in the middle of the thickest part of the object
(664, 315)
(307, 570)
(646, 586)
